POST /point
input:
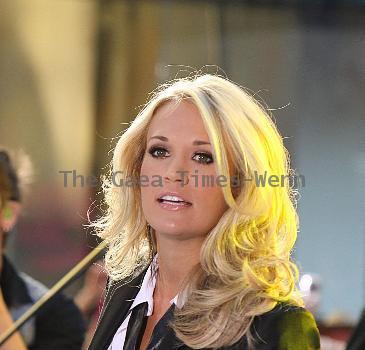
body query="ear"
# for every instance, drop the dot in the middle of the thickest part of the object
(9, 216)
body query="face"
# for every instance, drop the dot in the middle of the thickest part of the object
(178, 142)
(8, 218)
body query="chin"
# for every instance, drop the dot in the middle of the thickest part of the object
(169, 229)
(172, 229)
(178, 233)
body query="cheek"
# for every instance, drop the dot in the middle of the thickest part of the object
(151, 167)
(210, 203)
(147, 203)
(150, 186)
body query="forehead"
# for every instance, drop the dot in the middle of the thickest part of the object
(177, 118)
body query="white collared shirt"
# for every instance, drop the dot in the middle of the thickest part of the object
(145, 294)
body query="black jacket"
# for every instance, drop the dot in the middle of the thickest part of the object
(286, 327)
(357, 339)
(58, 325)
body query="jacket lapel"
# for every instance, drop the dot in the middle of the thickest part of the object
(170, 341)
(117, 303)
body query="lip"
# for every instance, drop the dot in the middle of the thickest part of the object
(176, 194)
(173, 206)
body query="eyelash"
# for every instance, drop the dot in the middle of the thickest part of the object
(153, 149)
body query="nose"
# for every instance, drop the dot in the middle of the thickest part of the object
(177, 172)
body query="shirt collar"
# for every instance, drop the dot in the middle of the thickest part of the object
(14, 289)
(145, 293)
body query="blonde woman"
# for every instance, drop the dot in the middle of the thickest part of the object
(199, 250)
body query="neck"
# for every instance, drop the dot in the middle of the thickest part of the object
(176, 258)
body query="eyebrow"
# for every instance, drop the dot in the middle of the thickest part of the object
(195, 142)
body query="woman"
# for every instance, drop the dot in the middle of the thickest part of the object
(199, 251)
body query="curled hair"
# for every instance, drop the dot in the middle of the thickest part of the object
(245, 262)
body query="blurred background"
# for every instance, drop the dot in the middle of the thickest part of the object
(73, 71)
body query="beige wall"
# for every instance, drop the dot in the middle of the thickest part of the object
(56, 40)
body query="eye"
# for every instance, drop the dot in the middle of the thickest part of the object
(204, 158)
(157, 152)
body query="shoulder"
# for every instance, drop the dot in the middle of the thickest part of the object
(34, 288)
(59, 323)
(121, 291)
(288, 327)
(58, 304)
(134, 282)
(117, 301)
(296, 325)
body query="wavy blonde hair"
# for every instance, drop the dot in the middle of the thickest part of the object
(245, 263)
